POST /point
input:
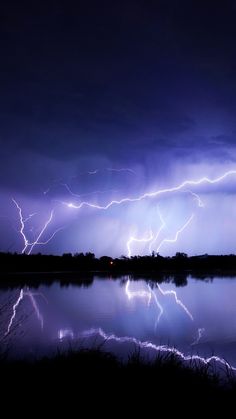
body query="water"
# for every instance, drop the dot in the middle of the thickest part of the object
(198, 318)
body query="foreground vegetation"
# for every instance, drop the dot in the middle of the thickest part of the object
(96, 372)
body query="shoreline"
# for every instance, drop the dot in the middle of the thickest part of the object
(167, 371)
(10, 279)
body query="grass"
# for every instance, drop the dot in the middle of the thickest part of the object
(93, 373)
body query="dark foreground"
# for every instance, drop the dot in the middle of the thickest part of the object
(96, 380)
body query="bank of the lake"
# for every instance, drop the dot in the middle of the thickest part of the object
(164, 376)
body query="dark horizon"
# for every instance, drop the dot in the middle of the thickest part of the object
(14, 267)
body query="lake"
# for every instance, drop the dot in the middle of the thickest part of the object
(121, 315)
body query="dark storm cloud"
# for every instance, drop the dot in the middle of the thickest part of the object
(115, 79)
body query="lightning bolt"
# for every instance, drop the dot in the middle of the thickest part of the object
(154, 194)
(174, 240)
(22, 227)
(109, 169)
(48, 240)
(140, 240)
(93, 172)
(86, 194)
(29, 217)
(29, 246)
(163, 225)
(197, 198)
(152, 238)
(121, 170)
(32, 245)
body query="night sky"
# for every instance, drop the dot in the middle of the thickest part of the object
(109, 99)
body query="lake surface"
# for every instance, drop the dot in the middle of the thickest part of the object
(121, 314)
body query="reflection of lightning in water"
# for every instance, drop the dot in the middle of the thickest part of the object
(157, 348)
(136, 240)
(200, 333)
(29, 246)
(179, 302)
(65, 333)
(150, 293)
(141, 293)
(14, 311)
(146, 295)
(174, 240)
(159, 306)
(34, 304)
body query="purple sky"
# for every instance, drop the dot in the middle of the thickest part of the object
(148, 86)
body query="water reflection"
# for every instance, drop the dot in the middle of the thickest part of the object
(198, 319)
